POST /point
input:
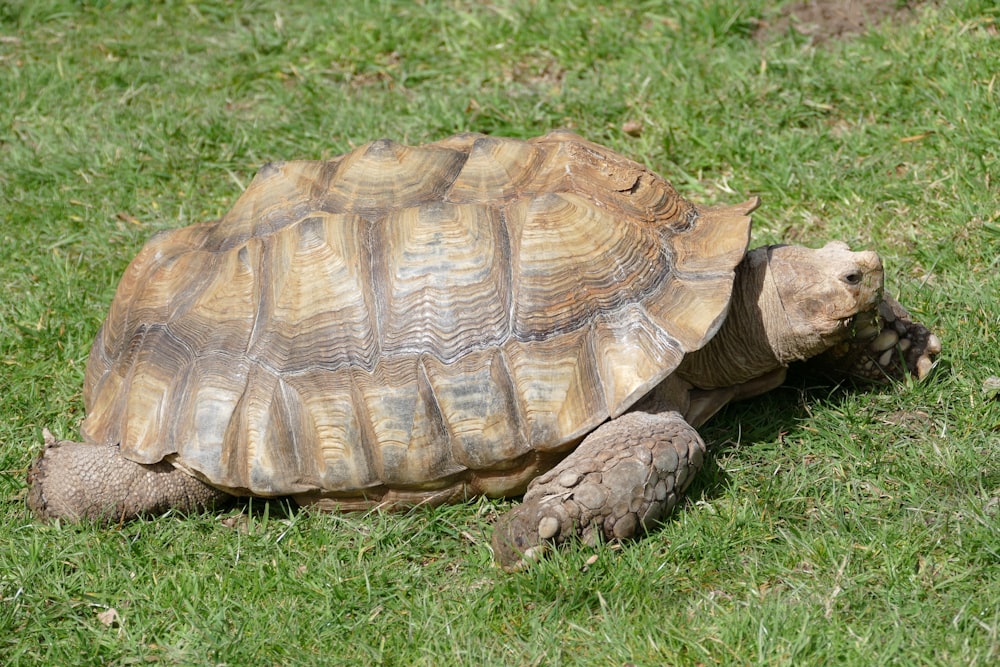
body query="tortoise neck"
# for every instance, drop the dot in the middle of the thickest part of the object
(745, 346)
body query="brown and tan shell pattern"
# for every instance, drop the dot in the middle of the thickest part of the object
(409, 322)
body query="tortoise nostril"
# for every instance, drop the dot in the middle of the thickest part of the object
(853, 278)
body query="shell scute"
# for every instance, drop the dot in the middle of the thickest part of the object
(385, 175)
(559, 387)
(154, 384)
(268, 449)
(314, 297)
(496, 170)
(408, 432)
(482, 418)
(573, 260)
(280, 195)
(446, 280)
(632, 350)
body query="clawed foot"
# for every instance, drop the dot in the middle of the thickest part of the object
(886, 344)
(622, 480)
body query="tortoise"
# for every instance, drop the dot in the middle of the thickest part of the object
(405, 325)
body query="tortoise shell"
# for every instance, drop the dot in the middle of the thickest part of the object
(409, 319)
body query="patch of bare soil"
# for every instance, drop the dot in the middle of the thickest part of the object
(822, 20)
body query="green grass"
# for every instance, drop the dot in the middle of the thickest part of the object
(831, 527)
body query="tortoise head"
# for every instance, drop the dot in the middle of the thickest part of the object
(810, 297)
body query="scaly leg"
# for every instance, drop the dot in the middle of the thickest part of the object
(620, 481)
(887, 345)
(74, 481)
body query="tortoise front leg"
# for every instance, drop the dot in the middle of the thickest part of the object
(621, 480)
(74, 481)
(886, 345)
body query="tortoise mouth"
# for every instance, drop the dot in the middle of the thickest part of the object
(867, 311)
(861, 321)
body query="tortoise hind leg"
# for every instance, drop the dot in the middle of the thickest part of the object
(72, 480)
(619, 482)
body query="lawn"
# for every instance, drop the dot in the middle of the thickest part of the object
(831, 526)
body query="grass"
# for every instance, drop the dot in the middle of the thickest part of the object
(831, 526)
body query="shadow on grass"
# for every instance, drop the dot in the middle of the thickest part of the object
(773, 418)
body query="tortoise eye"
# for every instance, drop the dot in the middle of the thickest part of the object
(853, 278)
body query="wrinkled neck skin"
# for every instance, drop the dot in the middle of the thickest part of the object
(753, 340)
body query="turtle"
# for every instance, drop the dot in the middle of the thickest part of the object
(406, 325)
